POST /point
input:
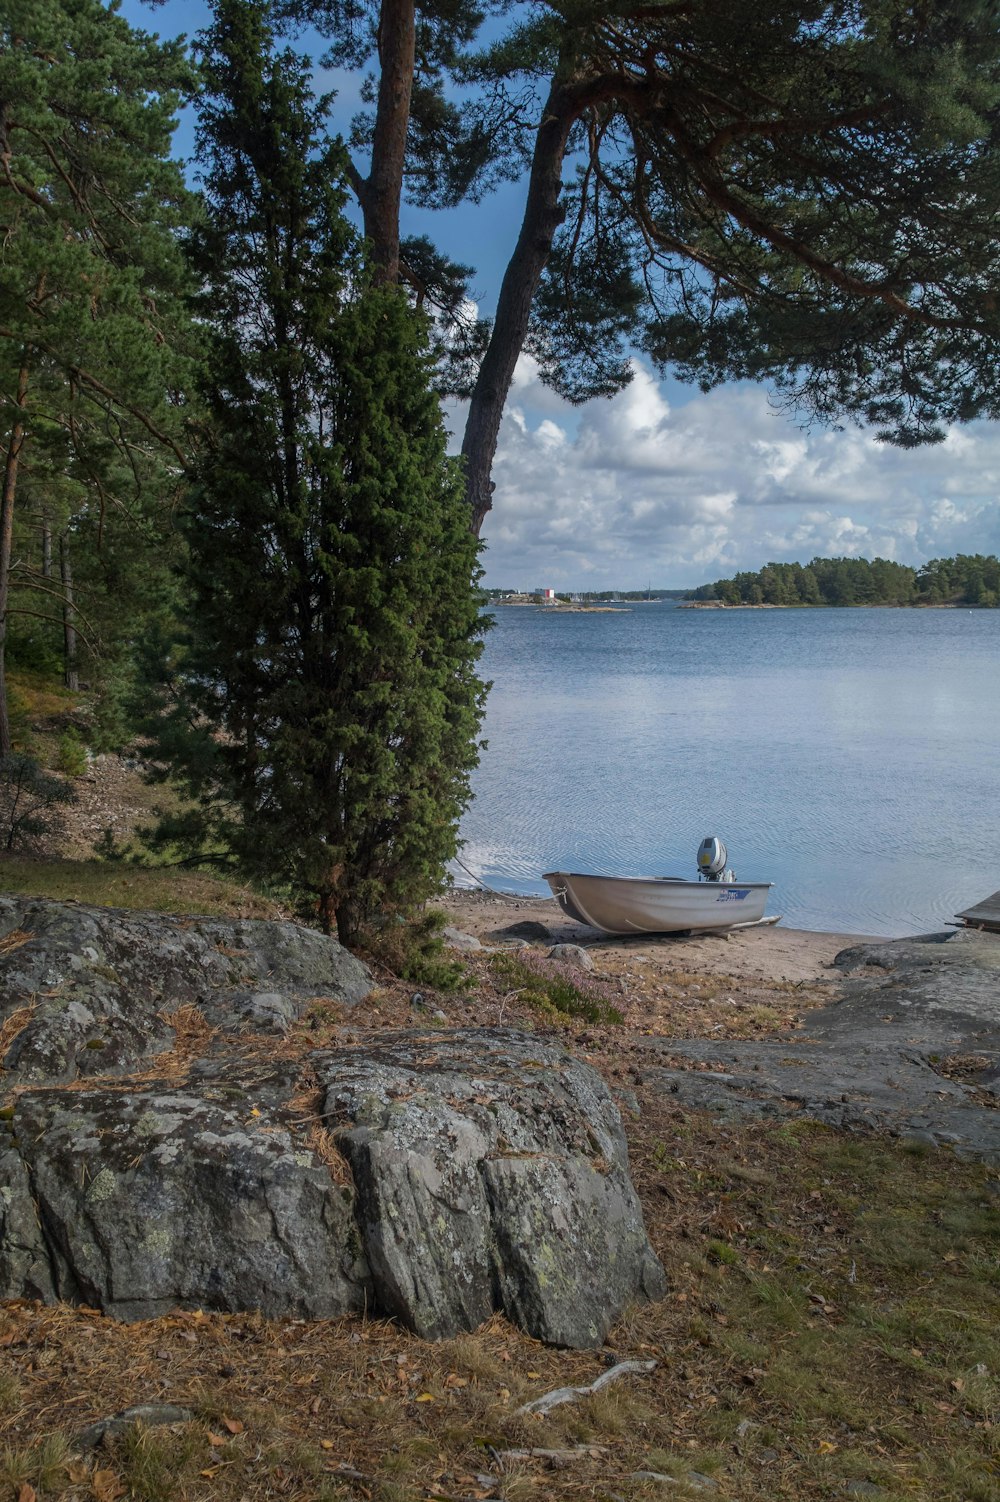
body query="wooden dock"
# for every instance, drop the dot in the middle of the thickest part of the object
(985, 914)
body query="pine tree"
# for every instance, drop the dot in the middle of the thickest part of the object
(93, 319)
(794, 191)
(331, 662)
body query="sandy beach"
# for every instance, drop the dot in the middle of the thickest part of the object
(749, 983)
(764, 956)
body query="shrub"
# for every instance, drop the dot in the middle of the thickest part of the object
(71, 758)
(414, 950)
(30, 800)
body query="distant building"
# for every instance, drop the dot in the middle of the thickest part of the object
(545, 594)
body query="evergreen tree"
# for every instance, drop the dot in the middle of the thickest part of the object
(797, 190)
(335, 622)
(93, 319)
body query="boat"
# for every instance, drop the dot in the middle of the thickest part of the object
(664, 904)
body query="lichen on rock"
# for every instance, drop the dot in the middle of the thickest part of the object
(481, 1169)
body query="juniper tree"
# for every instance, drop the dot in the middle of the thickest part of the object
(330, 668)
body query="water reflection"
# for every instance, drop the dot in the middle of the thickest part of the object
(848, 756)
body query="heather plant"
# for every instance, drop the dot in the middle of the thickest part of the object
(546, 985)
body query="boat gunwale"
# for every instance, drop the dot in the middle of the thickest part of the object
(673, 880)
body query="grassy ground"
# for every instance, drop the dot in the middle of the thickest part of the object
(161, 888)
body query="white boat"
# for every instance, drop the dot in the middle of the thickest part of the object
(663, 904)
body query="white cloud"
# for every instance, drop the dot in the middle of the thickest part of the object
(637, 488)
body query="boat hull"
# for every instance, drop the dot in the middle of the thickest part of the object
(657, 904)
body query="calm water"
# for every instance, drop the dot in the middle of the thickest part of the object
(849, 756)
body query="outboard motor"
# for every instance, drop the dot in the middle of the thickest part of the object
(712, 857)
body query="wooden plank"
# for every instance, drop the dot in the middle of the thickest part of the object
(985, 914)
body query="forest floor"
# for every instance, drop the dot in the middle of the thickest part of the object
(831, 1327)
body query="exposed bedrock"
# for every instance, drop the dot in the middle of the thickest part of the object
(912, 1047)
(98, 985)
(432, 1175)
(492, 1173)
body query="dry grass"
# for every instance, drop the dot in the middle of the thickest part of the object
(192, 1035)
(16, 939)
(160, 889)
(319, 1140)
(12, 1025)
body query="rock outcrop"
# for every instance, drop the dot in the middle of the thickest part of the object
(912, 1047)
(436, 1175)
(99, 984)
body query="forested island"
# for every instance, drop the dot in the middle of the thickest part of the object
(967, 579)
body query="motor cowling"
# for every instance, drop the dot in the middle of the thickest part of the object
(712, 857)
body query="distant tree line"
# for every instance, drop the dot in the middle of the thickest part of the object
(967, 579)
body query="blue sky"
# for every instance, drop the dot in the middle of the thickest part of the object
(662, 484)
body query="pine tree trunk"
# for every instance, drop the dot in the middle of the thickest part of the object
(71, 677)
(14, 445)
(383, 190)
(542, 216)
(326, 911)
(46, 547)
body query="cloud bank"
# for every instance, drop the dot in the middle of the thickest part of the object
(620, 493)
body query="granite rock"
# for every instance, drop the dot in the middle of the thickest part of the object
(435, 1175)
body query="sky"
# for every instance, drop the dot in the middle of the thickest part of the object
(661, 485)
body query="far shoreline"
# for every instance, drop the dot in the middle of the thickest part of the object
(825, 605)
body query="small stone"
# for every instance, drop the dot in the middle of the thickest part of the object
(439, 1016)
(571, 954)
(527, 930)
(455, 939)
(918, 1139)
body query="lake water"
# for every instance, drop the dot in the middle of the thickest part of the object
(849, 756)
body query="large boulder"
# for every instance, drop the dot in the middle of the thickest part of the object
(435, 1176)
(192, 1194)
(492, 1173)
(97, 985)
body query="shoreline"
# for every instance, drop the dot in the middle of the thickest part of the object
(823, 605)
(766, 956)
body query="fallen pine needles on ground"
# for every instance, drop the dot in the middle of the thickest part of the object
(831, 1330)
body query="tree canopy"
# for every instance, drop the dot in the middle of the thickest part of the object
(95, 336)
(803, 192)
